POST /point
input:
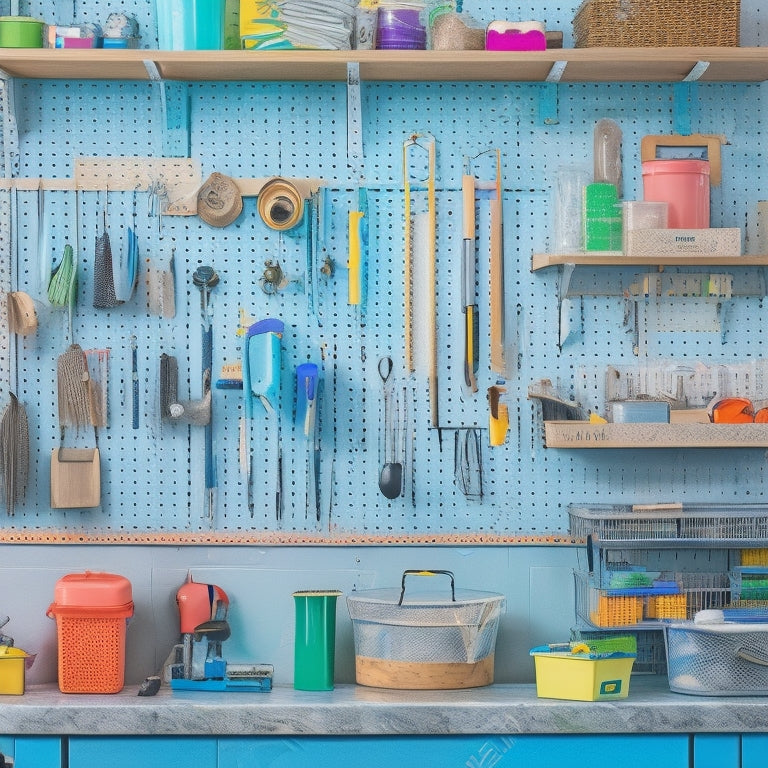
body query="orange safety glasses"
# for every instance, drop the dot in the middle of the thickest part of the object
(736, 410)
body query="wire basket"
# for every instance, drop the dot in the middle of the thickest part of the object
(671, 525)
(749, 583)
(717, 660)
(705, 591)
(651, 653)
(605, 608)
(656, 23)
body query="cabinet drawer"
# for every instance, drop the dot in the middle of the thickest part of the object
(32, 751)
(753, 750)
(146, 751)
(629, 751)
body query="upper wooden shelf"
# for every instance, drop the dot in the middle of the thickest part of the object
(616, 259)
(567, 65)
(583, 434)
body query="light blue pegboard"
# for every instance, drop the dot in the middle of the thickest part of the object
(153, 477)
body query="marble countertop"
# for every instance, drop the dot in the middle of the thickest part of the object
(355, 710)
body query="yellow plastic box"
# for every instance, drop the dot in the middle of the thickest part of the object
(582, 676)
(12, 666)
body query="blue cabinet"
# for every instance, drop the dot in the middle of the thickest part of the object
(556, 751)
(32, 751)
(708, 750)
(144, 751)
(717, 750)
(754, 747)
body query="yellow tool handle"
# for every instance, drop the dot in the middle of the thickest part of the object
(353, 262)
(469, 345)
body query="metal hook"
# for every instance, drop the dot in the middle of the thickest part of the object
(385, 368)
(413, 141)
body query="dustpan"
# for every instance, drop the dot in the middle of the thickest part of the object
(75, 478)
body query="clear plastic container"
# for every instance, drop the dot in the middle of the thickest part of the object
(567, 201)
(190, 25)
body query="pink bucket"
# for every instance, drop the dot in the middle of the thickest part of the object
(684, 185)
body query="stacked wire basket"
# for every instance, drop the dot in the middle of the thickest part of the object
(651, 565)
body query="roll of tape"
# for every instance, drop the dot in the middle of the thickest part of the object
(280, 204)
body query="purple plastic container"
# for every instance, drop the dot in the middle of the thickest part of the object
(400, 28)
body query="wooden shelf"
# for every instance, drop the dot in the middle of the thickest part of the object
(617, 259)
(568, 65)
(583, 434)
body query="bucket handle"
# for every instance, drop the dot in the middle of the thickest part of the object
(753, 655)
(427, 573)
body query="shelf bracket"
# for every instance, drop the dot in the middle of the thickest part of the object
(354, 121)
(698, 69)
(549, 93)
(685, 101)
(685, 94)
(569, 312)
(174, 104)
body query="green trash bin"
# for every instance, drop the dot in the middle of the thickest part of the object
(314, 646)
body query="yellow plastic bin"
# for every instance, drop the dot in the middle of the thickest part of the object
(13, 663)
(582, 676)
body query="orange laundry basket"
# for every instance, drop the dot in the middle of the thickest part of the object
(91, 611)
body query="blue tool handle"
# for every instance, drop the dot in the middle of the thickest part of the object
(306, 394)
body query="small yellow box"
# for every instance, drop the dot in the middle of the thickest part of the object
(12, 665)
(582, 676)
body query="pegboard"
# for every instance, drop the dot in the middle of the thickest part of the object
(153, 470)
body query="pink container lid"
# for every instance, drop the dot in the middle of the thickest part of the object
(682, 165)
(92, 588)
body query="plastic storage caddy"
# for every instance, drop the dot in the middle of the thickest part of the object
(578, 674)
(91, 611)
(726, 659)
(425, 640)
(13, 663)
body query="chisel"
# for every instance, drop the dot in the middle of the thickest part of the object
(469, 307)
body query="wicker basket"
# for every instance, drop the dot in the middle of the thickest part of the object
(644, 23)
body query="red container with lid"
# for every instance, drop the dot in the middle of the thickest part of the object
(684, 185)
(91, 611)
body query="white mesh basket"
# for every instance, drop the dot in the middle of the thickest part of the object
(460, 627)
(717, 660)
